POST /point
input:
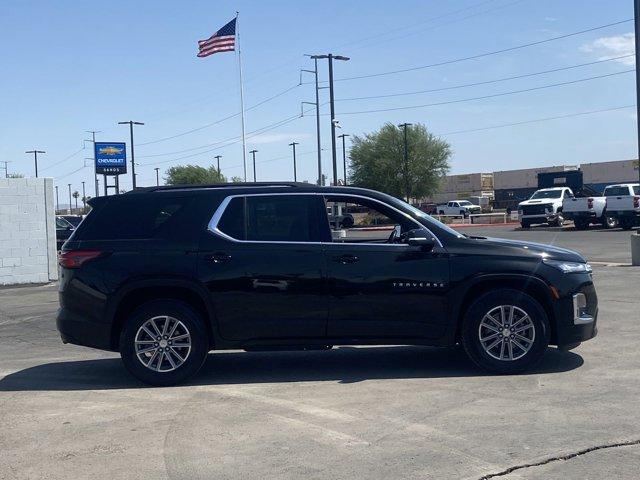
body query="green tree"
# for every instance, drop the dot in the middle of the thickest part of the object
(236, 180)
(377, 161)
(193, 175)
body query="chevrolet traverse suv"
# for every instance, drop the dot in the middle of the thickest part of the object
(166, 274)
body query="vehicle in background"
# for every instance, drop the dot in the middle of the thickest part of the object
(585, 208)
(623, 204)
(73, 219)
(64, 229)
(428, 208)
(483, 202)
(462, 208)
(544, 206)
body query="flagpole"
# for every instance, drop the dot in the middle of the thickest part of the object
(244, 144)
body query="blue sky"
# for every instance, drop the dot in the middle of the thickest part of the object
(71, 66)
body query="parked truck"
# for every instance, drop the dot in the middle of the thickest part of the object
(544, 206)
(623, 204)
(462, 208)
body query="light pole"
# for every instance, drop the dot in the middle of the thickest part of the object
(406, 161)
(344, 156)
(57, 201)
(157, 169)
(218, 157)
(331, 57)
(35, 157)
(69, 198)
(93, 141)
(636, 8)
(84, 199)
(131, 123)
(253, 154)
(317, 104)
(295, 173)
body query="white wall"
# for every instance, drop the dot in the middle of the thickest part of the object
(27, 231)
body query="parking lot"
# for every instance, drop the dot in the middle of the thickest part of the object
(371, 412)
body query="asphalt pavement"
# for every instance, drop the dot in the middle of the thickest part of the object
(69, 412)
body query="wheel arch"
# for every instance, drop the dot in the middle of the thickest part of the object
(137, 293)
(532, 286)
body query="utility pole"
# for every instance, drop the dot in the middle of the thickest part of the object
(636, 9)
(157, 169)
(35, 157)
(131, 123)
(295, 173)
(331, 57)
(84, 199)
(218, 157)
(344, 156)
(6, 168)
(57, 201)
(317, 104)
(253, 153)
(406, 161)
(93, 140)
(69, 198)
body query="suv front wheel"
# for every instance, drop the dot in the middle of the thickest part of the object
(164, 342)
(505, 331)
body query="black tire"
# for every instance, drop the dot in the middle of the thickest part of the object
(194, 358)
(559, 221)
(441, 212)
(525, 225)
(581, 224)
(609, 221)
(471, 331)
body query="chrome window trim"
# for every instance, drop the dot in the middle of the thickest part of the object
(217, 215)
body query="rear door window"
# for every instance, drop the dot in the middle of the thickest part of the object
(616, 191)
(282, 218)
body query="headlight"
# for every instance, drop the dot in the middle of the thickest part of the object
(569, 267)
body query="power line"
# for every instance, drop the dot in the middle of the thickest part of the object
(63, 160)
(536, 120)
(485, 54)
(197, 129)
(485, 82)
(513, 92)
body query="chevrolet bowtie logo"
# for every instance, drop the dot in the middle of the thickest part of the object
(418, 284)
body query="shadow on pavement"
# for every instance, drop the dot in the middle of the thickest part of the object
(343, 364)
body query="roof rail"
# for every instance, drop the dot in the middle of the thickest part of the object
(221, 185)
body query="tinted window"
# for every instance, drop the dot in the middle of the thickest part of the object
(616, 191)
(137, 217)
(636, 190)
(232, 220)
(290, 218)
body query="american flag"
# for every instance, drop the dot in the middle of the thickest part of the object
(224, 40)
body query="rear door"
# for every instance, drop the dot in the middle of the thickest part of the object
(261, 260)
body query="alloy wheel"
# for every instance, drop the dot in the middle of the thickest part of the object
(506, 333)
(162, 344)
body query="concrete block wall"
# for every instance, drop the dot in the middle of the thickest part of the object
(27, 231)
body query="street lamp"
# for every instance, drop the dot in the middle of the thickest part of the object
(35, 157)
(131, 123)
(295, 174)
(332, 57)
(253, 154)
(344, 156)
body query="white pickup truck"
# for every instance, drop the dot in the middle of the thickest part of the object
(460, 208)
(585, 210)
(544, 206)
(623, 204)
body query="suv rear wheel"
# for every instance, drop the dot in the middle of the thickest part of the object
(164, 342)
(505, 331)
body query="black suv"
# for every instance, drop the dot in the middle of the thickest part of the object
(165, 274)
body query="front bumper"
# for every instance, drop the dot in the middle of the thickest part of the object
(576, 317)
(538, 218)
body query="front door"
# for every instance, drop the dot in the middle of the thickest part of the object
(379, 286)
(262, 263)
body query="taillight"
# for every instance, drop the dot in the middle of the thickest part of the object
(589, 203)
(636, 202)
(76, 258)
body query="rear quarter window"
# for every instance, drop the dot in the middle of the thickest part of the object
(137, 217)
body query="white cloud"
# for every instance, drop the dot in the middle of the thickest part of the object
(277, 137)
(611, 47)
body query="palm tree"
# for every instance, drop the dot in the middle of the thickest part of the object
(76, 195)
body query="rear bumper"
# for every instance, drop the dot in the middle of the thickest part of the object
(79, 331)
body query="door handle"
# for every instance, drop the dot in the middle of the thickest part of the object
(218, 257)
(345, 259)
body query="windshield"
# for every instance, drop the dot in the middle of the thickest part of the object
(546, 194)
(465, 202)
